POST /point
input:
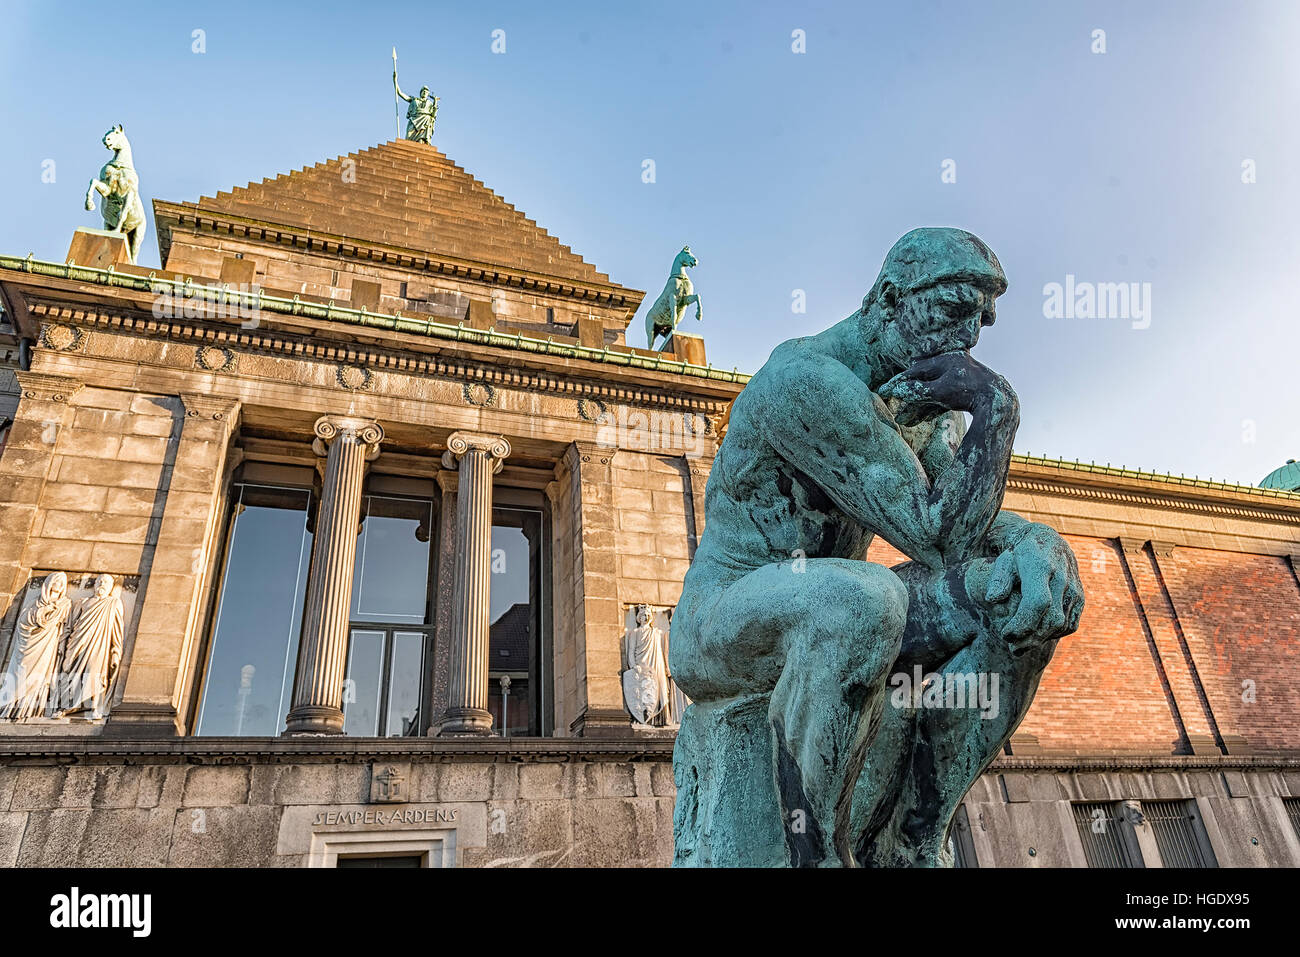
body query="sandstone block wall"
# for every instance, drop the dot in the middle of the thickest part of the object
(258, 811)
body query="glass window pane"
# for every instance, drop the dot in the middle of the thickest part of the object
(249, 678)
(509, 583)
(361, 690)
(391, 581)
(404, 684)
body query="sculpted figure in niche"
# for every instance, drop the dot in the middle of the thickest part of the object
(36, 655)
(647, 689)
(93, 652)
(799, 748)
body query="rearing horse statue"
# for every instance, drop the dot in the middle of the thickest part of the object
(669, 308)
(118, 184)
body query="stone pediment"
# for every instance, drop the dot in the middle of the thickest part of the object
(398, 194)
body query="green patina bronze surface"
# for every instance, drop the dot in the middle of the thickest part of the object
(666, 313)
(842, 709)
(421, 110)
(119, 186)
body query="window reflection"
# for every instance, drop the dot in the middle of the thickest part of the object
(249, 675)
(391, 582)
(515, 614)
(388, 654)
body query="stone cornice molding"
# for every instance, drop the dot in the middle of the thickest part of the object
(277, 234)
(366, 432)
(494, 447)
(1200, 504)
(47, 388)
(334, 749)
(532, 377)
(1140, 762)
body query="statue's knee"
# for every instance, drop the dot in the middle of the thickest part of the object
(859, 618)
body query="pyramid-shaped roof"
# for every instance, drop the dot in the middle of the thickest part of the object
(408, 195)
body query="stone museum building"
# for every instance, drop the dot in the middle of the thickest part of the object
(352, 536)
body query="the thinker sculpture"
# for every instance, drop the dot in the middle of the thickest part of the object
(799, 749)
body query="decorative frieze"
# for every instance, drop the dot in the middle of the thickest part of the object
(421, 367)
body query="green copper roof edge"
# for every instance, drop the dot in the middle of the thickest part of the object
(1095, 469)
(437, 330)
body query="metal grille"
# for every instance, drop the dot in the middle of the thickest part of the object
(1292, 806)
(1174, 825)
(1100, 829)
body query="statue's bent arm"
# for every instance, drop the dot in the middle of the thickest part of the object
(826, 421)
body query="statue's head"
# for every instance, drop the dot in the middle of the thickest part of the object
(55, 587)
(103, 585)
(642, 613)
(115, 138)
(424, 92)
(685, 258)
(934, 294)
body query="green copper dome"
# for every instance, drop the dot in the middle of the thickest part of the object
(1285, 479)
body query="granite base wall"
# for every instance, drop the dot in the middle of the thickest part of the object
(535, 803)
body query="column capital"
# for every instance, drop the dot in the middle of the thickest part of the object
(48, 388)
(495, 447)
(366, 432)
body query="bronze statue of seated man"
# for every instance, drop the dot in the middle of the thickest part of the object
(802, 746)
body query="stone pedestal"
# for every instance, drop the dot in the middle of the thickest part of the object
(476, 458)
(347, 445)
(99, 248)
(687, 348)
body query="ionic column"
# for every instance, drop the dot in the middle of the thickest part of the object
(347, 444)
(476, 458)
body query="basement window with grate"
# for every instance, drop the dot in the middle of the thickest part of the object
(1107, 834)
(1179, 833)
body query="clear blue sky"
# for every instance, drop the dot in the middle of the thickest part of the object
(783, 171)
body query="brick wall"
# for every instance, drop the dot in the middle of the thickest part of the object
(1240, 615)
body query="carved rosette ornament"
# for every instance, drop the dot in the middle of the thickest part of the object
(476, 458)
(62, 338)
(347, 444)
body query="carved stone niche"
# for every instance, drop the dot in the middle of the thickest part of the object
(649, 694)
(63, 657)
